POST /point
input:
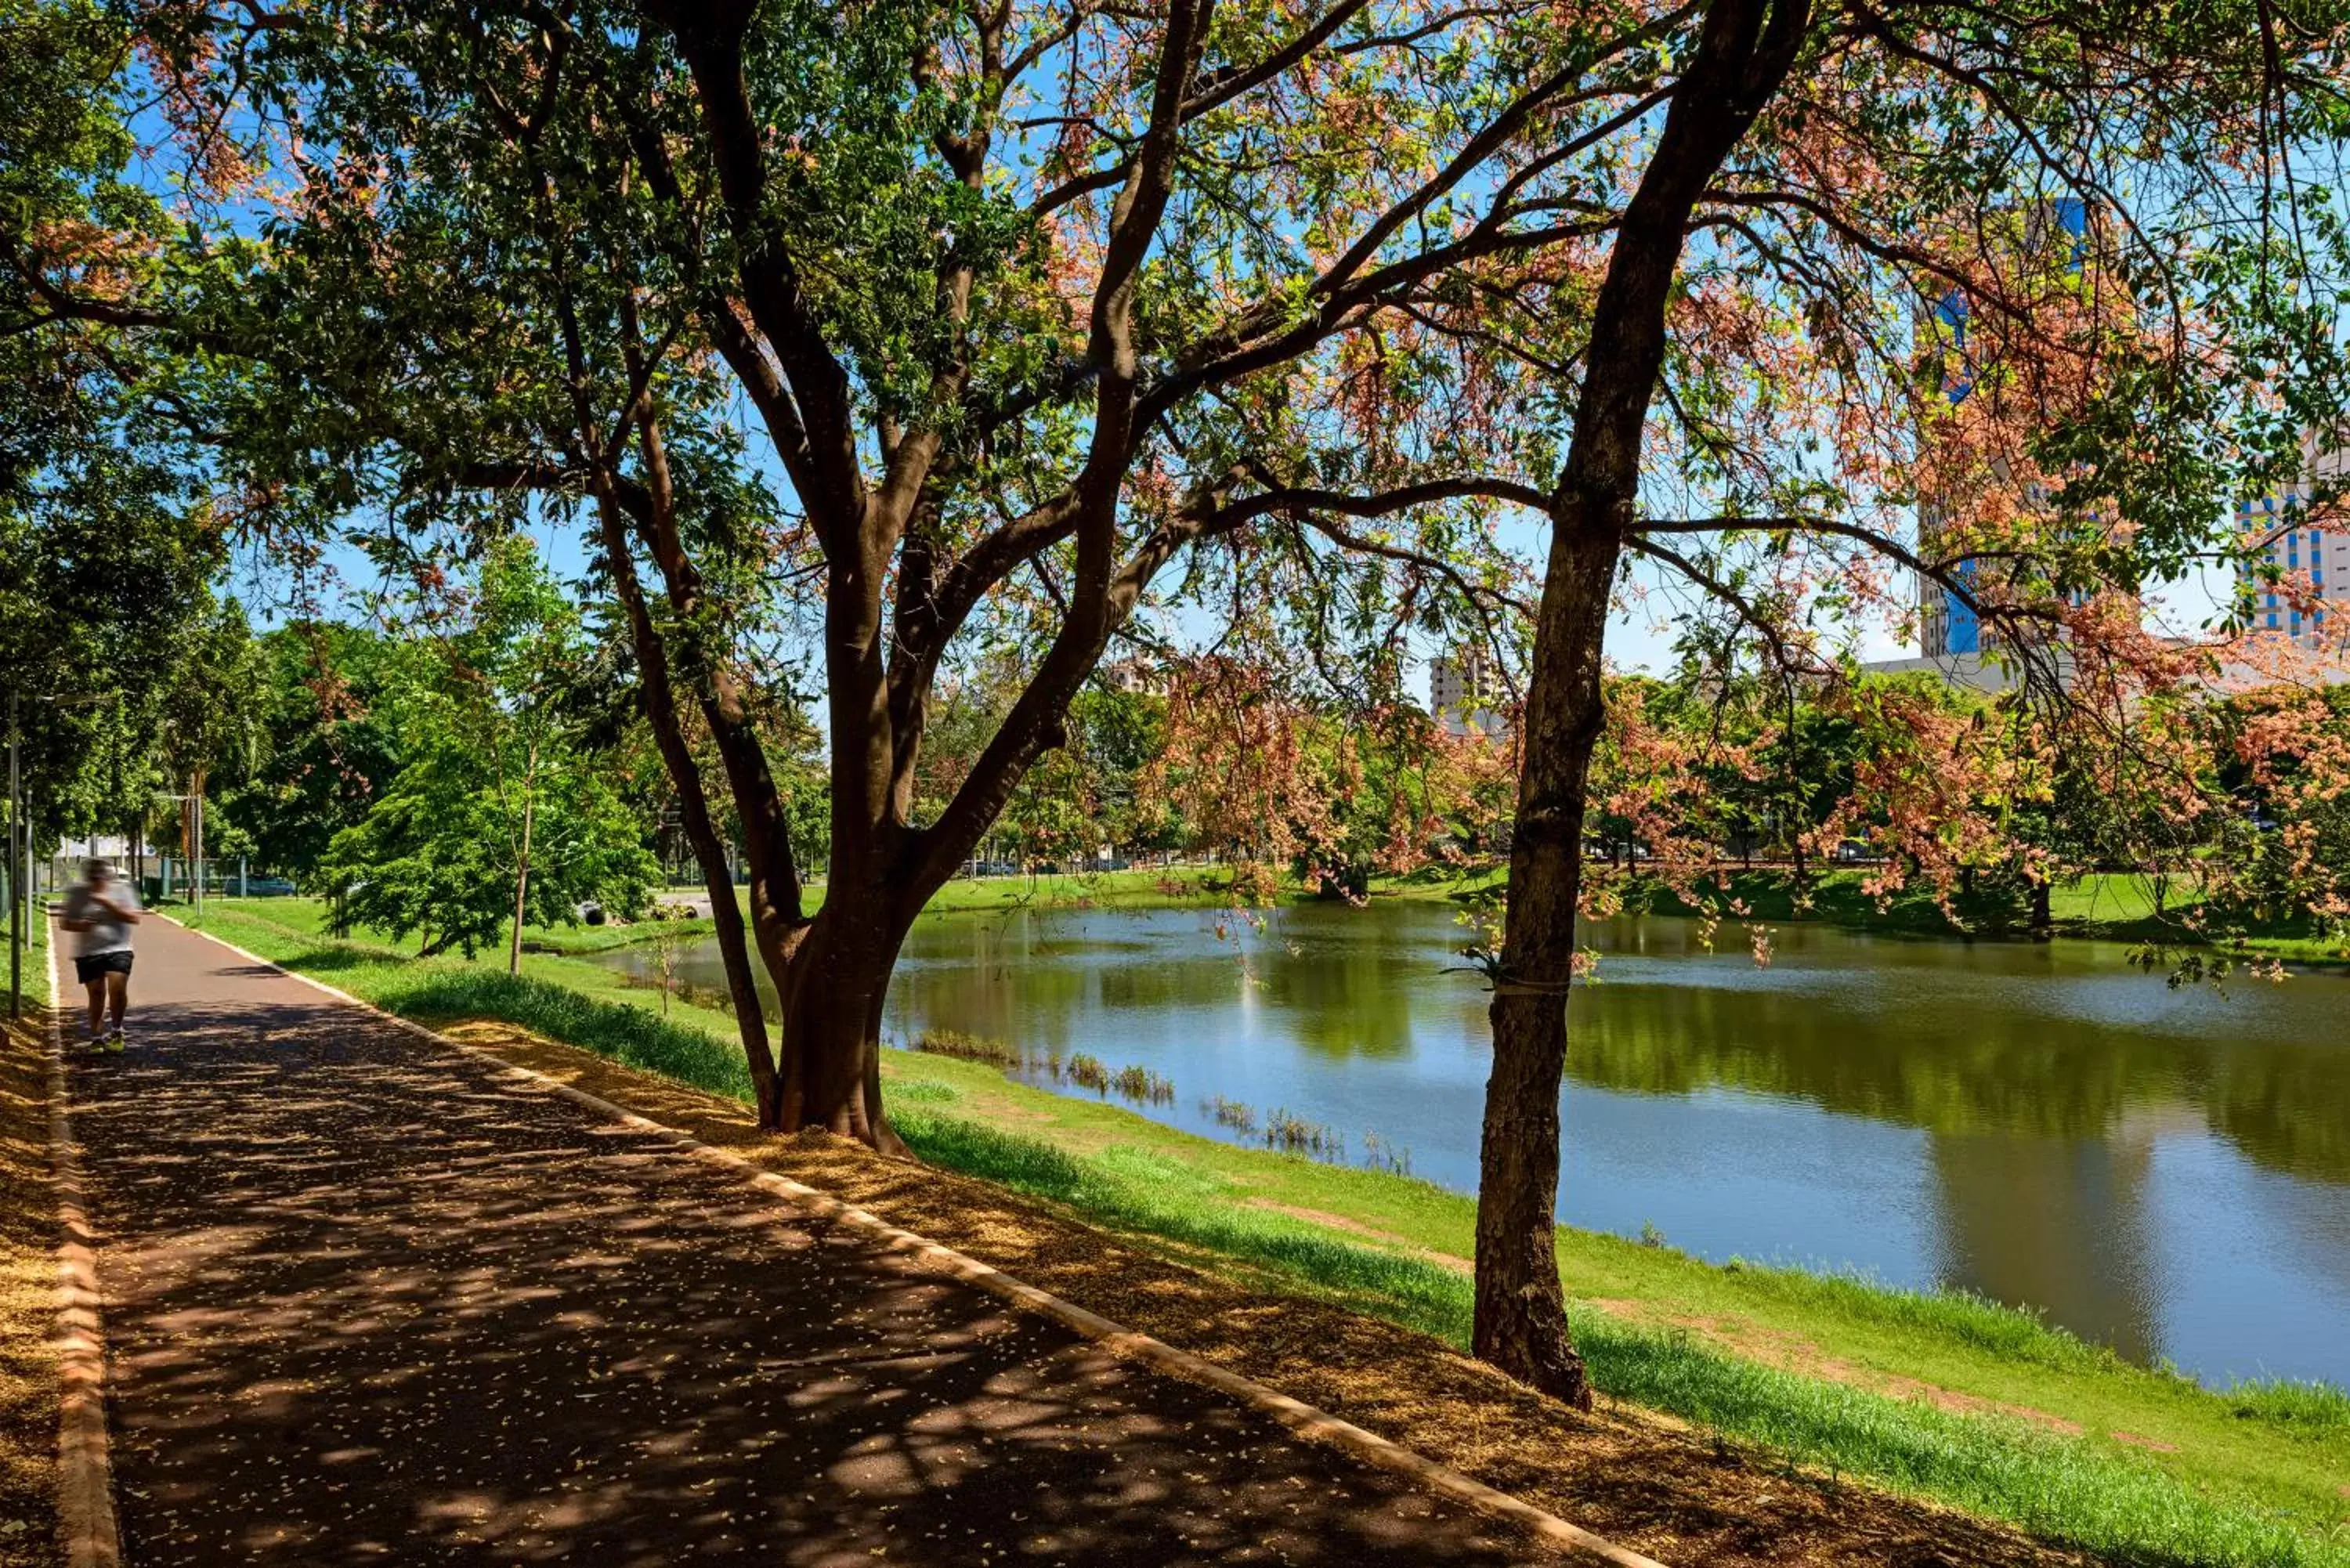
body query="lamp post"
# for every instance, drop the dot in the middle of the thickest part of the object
(17, 865)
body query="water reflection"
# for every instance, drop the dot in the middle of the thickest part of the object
(2059, 1222)
(2167, 1171)
(2064, 1042)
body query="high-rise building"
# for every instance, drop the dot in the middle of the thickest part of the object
(1949, 626)
(2300, 548)
(1464, 691)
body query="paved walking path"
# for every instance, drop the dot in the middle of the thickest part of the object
(367, 1301)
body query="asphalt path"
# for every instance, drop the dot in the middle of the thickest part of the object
(369, 1299)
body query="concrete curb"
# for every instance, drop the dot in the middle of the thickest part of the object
(1300, 1418)
(84, 1462)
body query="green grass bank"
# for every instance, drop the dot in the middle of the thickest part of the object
(1964, 1401)
(35, 975)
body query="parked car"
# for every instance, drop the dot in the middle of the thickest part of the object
(268, 887)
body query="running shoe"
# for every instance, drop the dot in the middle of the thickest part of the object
(114, 1040)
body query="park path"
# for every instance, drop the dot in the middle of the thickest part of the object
(368, 1299)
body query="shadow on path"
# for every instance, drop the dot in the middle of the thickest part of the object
(370, 1301)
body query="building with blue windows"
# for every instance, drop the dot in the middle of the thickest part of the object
(2312, 562)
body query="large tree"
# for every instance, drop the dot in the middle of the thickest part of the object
(1962, 258)
(105, 551)
(1022, 305)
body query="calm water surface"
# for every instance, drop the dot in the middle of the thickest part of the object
(2167, 1171)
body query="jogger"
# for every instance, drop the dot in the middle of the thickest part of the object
(100, 909)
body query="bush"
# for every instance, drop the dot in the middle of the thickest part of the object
(967, 1048)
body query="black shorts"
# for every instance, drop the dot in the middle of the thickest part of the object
(95, 966)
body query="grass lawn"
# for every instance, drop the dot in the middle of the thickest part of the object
(1174, 887)
(35, 977)
(309, 916)
(1973, 1404)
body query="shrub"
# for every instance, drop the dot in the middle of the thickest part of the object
(1297, 1135)
(1143, 1086)
(1236, 1114)
(967, 1048)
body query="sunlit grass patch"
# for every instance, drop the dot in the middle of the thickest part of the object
(2014, 1334)
(625, 1035)
(2309, 1407)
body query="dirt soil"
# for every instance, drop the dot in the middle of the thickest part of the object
(1642, 1479)
(28, 1305)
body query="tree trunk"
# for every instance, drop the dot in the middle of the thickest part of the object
(834, 976)
(522, 865)
(693, 810)
(2043, 920)
(1520, 1311)
(1744, 49)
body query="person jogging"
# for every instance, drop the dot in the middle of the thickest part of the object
(101, 911)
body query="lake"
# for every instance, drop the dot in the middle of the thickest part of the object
(2166, 1171)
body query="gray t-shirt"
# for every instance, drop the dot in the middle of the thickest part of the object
(108, 933)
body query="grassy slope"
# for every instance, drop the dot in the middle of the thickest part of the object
(309, 917)
(1991, 1410)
